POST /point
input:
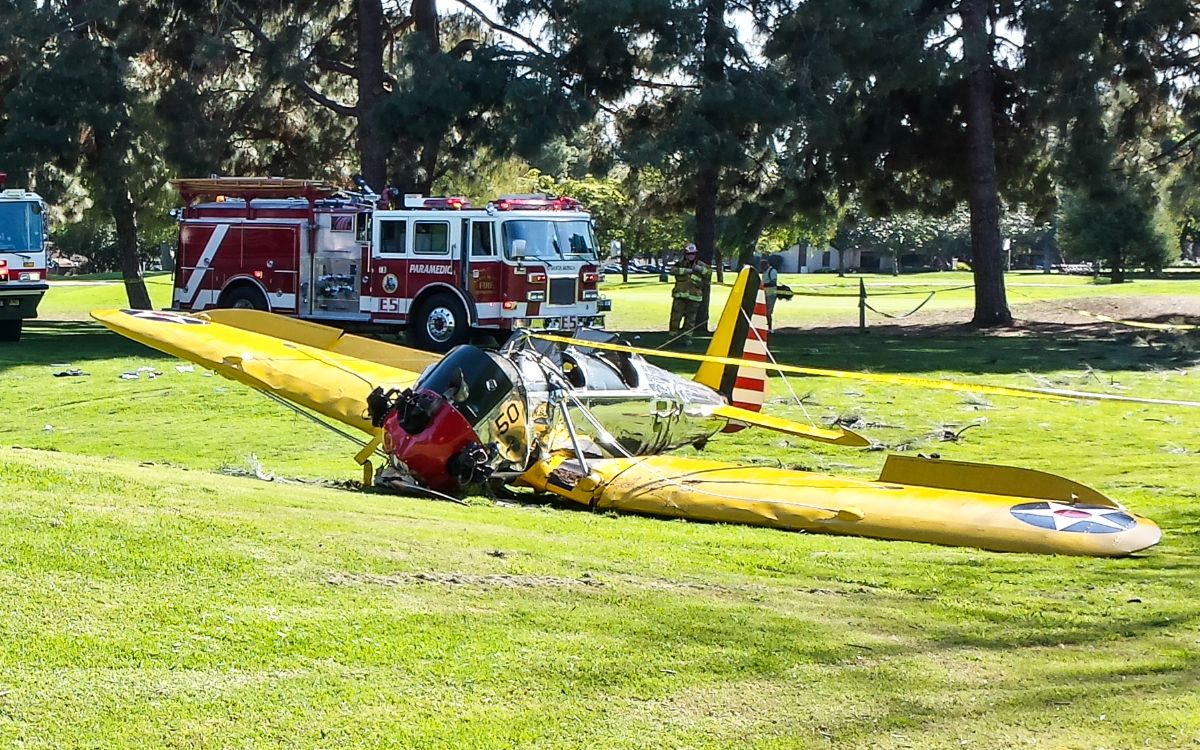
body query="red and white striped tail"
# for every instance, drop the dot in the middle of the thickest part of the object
(750, 388)
(740, 334)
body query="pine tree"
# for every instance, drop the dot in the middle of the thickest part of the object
(924, 104)
(688, 97)
(79, 111)
(424, 91)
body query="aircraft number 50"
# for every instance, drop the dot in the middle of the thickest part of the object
(508, 418)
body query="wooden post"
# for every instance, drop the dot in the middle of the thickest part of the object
(862, 306)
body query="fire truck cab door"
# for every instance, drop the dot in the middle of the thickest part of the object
(337, 268)
(482, 270)
(415, 253)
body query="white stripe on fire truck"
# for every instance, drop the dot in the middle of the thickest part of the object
(202, 265)
(369, 304)
(205, 298)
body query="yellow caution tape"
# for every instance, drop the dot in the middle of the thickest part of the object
(943, 385)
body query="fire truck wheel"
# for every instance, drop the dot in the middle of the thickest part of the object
(243, 297)
(10, 330)
(441, 324)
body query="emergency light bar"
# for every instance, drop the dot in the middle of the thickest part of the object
(536, 203)
(456, 202)
(453, 202)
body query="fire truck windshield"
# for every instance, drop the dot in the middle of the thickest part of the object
(20, 227)
(569, 239)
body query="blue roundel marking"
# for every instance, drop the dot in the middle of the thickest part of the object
(1079, 518)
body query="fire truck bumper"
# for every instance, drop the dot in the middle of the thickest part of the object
(21, 302)
(561, 323)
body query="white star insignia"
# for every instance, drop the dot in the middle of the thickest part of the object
(1065, 514)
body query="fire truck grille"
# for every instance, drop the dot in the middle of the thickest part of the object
(562, 291)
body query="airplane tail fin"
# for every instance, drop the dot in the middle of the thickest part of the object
(742, 334)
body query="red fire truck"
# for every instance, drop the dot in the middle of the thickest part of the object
(22, 258)
(435, 266)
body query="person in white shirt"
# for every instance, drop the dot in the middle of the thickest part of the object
(770, 282)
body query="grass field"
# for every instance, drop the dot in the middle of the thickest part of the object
(150, 598)
(643, 304)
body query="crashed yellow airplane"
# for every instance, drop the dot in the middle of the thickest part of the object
(589, 420)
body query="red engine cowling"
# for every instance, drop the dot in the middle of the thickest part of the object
(436, 444)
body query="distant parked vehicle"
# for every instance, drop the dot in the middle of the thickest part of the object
(22, 258)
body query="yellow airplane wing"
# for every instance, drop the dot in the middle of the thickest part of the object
(324, 337)
(315, 366)
(915, 499)
(787, 426)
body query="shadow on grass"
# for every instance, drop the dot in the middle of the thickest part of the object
(56, 342)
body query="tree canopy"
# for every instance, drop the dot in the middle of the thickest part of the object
(733, 124)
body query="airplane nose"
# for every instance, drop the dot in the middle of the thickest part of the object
(433, 441)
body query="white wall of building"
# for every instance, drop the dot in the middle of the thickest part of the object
(811, 259)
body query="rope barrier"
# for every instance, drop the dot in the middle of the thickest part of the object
(914, 290)
(899, 317)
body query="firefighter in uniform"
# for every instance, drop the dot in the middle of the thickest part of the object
(691, 276)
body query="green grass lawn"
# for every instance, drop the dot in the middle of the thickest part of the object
(150, 600)
(71, 299)
(643, 304)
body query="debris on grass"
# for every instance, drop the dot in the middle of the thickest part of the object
(150, 372)
(255, 470)
(975, 401)
(953, 433)
(851, 421)
(495, 580)
(1165, 420)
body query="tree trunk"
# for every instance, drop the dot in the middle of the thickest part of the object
(123, 213)
(425, 18)
(708, 177)
(991, 303)
(372, 149)
(110, 168)
(706, 230)
(746, 258)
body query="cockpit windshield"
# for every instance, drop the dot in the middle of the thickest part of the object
(471, 380)
(20, 227)
(550, 239)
